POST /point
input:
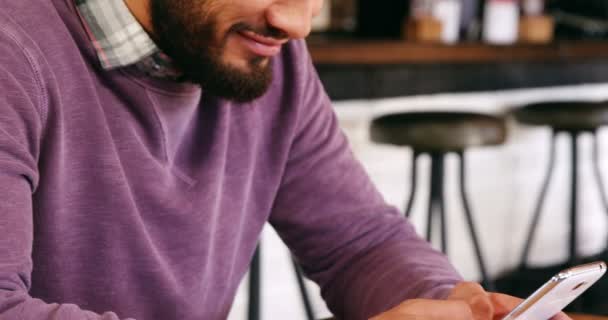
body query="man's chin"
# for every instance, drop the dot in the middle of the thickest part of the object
(248, 66)
(236, 85)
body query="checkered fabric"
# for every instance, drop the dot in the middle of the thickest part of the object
(120, 40)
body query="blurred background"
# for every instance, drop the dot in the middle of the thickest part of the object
(516, 87)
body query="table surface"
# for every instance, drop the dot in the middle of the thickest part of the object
(574, 317)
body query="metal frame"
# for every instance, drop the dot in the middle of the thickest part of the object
(539, 203)
(254, 308)
(573, 257)
(436, 205)
(255, 295)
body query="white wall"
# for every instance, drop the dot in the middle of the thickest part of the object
(503, 187)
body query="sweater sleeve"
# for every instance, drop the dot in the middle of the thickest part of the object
(365, 256)
(21, 129)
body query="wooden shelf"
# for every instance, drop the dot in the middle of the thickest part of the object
(351, 52)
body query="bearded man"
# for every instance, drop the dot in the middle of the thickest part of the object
(145, 143)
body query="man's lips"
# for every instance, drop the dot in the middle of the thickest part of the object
(261, 45)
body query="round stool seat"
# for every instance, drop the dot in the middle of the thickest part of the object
(571, 116)
(439, 131)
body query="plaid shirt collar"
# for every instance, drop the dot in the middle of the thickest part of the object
(120, 40)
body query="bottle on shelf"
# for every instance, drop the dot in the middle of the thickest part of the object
(434, 21)
(500, 22)
(470, 19)
(337, 16)
(449, 13)
(535, 26)
(322, 22)
(422, 25)
(343, 15)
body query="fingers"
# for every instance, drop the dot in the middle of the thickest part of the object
(464, 290)
(424, 309)
(476, 297)
(467, 301)
(503, 304)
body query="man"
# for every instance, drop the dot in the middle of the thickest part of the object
(144, 144)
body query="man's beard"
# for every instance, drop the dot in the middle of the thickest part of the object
(185, 30)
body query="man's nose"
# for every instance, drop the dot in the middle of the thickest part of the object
(293, 17)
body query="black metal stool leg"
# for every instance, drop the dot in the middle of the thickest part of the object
(414, 182)
(486, 282)
(573, 256)
(573, 259)
(255, 294)
(540, 203)
(437, 178)
(598, 172)
(436, 199)
(430, 210)
(303, 292)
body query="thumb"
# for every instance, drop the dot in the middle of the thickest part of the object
(503, 304)
(476, 297)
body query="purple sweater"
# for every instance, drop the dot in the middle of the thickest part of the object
(126, 197)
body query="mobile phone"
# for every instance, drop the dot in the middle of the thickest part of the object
(558, 292)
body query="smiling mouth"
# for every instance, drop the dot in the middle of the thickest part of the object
(261, 45)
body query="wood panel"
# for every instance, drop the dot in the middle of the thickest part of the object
(344, 52)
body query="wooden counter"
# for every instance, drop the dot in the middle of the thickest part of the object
(351, 52)
(377, 69)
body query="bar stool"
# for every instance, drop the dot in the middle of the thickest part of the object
(255, 290)
(438, 134)
(572, 119)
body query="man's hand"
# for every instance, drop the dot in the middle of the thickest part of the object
(476, 298)
(503, 304)
(425, 309)
(467, 301)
